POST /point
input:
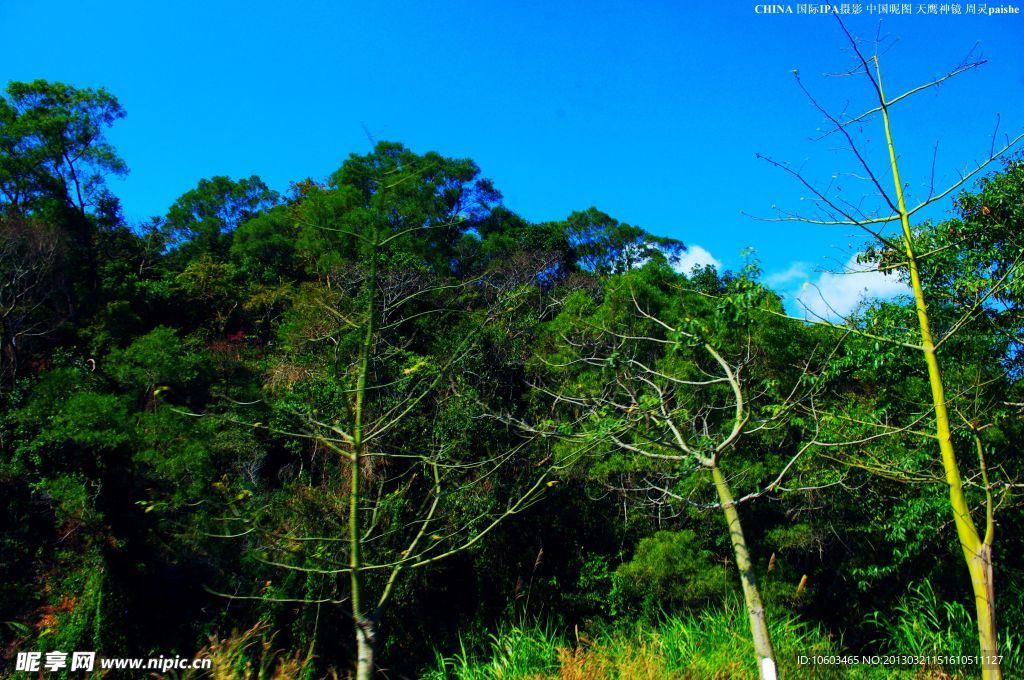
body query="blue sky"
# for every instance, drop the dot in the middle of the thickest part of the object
(653, 112)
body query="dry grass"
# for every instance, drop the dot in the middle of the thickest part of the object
(251, 655)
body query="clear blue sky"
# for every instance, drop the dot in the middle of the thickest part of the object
(650, 111)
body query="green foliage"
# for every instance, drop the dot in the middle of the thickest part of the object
(604, 245)
(426, 203)
(53, 146)
(213, 287)
(201, 221)
(91, 420)
(73, 499)
(265, 246)
(513, 653)
(321, 245)
(157, 360)
(82, 620)
(670, 571)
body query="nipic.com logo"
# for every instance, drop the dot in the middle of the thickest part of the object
(50, 662)
(31, 662)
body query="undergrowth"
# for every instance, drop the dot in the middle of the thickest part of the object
(715, 644)
(710, 645)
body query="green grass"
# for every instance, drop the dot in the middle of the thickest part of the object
(715, 645)
(921, 625)
(512, 653)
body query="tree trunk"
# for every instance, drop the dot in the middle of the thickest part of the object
(977, 550)
(766, 667)
(366, 644)
(366, 626)
(982, 580)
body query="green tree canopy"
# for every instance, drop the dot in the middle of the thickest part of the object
(53, 144)
(201, 221)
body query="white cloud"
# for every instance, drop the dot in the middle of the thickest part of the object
(695, 256)
(832, 295)
(798, 271)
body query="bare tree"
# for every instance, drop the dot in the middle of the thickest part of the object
(402, 490)
(30, 254)
(667, 394)
(976, 543)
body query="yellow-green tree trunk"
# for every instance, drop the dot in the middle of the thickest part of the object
(766, 666)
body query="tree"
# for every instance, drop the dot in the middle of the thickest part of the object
(435, 200)
(30, 258)
(604, 245)
(646, 375)
(201, 221)
(54, 158)
(265, 246)
(52, 144)
(976, 544)
(371, 381)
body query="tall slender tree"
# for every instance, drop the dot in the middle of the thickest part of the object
(403, 485)
(659, 374)
(976, 542)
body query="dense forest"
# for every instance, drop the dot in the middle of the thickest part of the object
(380, 425)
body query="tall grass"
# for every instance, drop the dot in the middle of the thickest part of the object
(713, 644)
(921, 625)
(710, 645)
(251, 655)
(514, 652)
